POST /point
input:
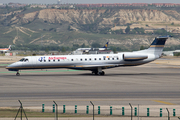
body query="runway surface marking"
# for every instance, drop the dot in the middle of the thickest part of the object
(167, 103)
(40, 71)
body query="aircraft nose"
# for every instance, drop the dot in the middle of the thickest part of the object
(12, 67)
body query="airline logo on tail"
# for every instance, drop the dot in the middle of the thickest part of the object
(106, 45)
(9, 47)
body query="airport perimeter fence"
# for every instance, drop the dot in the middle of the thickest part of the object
(142, 110)
(109, 110)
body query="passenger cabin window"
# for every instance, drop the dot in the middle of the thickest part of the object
(94, 58)
(112, 58)
(108, 58)
(58, 59)
(117, 58)
(71, 59)
(99, 58)
(85, 59)
(44, 60)
(89, 58)
(104, 58)
(54, 60)
(49, 60)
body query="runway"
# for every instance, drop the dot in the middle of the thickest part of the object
(144, 85)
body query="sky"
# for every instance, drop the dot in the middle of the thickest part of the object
(88, 1)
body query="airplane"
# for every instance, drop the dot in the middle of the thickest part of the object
(87, 49)
(4, 50)
(94, 62)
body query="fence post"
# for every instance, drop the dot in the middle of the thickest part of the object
(135, 111)
(99, 110)
(147, 112)
(168, 114)
(93, 108)
(75, 109)
(87, 110)
(64, 108)
(131, 111)
(110, 110)
(122, 110)
(53, 108)
(160, 112)
(56, 114)
(42, 107)
(174, 112)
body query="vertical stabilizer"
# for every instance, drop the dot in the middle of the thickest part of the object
(9, 47)
(106, 45)
(157, 45)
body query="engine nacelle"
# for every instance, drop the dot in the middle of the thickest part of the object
(132, 57)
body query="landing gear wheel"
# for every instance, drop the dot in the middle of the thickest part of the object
(17, 74)
(101, 73)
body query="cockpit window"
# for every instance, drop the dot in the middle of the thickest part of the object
(24, 60)
(21, 60)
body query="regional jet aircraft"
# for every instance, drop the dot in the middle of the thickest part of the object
(5, 49)
(94, 62)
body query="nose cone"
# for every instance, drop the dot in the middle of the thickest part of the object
(13, 67)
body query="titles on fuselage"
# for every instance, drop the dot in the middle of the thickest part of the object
(51, 58)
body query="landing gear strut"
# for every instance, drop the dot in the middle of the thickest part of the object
(17, 74)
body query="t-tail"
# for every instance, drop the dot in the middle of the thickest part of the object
(157, 46)
(9, 47)
(106, 45)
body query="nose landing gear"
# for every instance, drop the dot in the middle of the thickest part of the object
(17, 74)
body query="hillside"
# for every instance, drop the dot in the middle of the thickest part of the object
(68, 27)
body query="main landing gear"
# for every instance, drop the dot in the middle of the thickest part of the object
(98, 72)
(17, 74)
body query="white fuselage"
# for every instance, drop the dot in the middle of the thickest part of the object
(83, 62)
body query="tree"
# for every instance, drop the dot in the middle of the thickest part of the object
(63, 49)
(46, 50)
(142, 47)
(139, 30)
(127, 30)
(177, 54)
(83, 45)
(114, 50)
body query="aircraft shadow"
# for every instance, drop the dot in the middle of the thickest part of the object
(107, 74)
